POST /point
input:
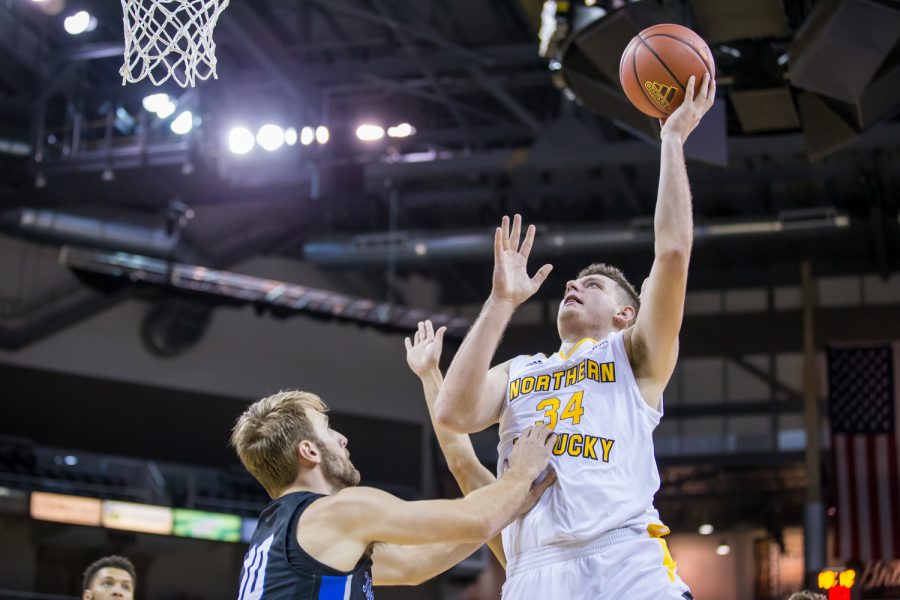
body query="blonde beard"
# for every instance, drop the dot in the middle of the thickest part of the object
(338, 469)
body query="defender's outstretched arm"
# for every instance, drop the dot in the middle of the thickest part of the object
(472, 394)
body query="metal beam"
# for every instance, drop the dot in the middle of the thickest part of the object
(619, 153)
(752, 333)
(405, 88)
(508, 101)
(424, 33)
(415, 248)
(504, 57)
(763, 376)
(22, 46)
(232, 288)
(245, 26)
(92, 51)
(448, 102)
(721, 409)
(339, 31)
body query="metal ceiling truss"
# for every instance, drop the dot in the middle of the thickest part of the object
(234, 289)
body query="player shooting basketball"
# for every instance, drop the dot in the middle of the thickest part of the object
(594, 535)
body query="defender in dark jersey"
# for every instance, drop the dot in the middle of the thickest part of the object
(324, 538)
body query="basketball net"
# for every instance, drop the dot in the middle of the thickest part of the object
(170, 39)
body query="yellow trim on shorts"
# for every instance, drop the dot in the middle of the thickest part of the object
(657, 530)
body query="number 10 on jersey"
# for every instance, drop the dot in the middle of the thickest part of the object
(551, 406)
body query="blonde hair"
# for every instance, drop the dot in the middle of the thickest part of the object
(627, 294)
(266, 436)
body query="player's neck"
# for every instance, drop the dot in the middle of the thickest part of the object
(572, 339)
(312, 481)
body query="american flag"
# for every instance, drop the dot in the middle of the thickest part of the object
(863, 387)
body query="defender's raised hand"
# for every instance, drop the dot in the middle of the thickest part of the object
(511, 280)
(424, 353)
(687, 116)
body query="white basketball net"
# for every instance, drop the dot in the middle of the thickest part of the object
(170, 39)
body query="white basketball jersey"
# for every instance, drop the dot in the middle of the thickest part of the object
(607, 474)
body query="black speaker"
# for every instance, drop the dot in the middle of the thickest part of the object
(882, 97)
(729, 20)
(763, 110)
(825, 128)
(590, 63)
(842, 45)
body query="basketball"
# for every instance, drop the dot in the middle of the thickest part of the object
(656, 65)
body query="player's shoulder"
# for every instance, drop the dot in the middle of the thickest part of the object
(350, 504)
(357, 494)
(524, 361)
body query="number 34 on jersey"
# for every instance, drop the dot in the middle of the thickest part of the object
(573, 444)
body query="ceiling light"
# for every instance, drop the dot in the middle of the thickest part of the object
(183, 123)
(706, 529)
(723, 549)
(307, 136)
(401, 131)
(240, 140)
(165, 109)
(80, 22)
(369, 133)
(270, 137)
(290, 136)
(322, 135)
(154, 102)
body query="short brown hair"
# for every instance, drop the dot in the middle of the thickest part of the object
(114, 562)
(266, 436)
(627, 294)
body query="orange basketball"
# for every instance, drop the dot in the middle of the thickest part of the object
(657, 63)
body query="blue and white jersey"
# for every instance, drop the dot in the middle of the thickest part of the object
(277, 568)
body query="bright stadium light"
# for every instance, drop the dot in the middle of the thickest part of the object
(307, 136)
(270, 137)
(706, 529)
(240, 140)
(79, 23)
(290, 136)
(153, 102)
(369, 133)
(322, 135)
(165, 109)
(401, 131)
(183, 123)
(723, 549)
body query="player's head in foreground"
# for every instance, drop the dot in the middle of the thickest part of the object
(285, 440)
(109, 578)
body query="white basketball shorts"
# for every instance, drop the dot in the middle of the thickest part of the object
(623, 564)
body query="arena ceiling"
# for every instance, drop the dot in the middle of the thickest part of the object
(494, 135)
